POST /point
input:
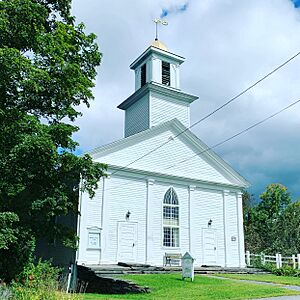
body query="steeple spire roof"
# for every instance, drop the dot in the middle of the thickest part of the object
(160, 45)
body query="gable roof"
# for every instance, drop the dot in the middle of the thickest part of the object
(181, 133)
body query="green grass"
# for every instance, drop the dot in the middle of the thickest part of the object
(287, 280)
(172, 287)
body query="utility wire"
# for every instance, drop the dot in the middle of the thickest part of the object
(222, 142)
(211, 113)
(235, 135)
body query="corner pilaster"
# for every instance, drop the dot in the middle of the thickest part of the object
(150, 182)
(190, 203)
(226, 243)
(240, 230)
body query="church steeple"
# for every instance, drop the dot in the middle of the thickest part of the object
(158, 65)
(157, 96)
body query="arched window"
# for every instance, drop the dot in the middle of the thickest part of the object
(170, 219)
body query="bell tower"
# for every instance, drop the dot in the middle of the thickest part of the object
(160, 67)
(157, 97)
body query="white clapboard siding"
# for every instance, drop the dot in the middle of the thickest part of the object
(89, 220)
(232, 237)
(207, 205)
(123, 195)
(155, 236)
(137, 117)
(164, 109)
(171, 154)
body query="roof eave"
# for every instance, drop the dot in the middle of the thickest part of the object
(165, 175)
(153, 49)
(159, 88)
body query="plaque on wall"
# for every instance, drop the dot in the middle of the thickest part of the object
(94, 240)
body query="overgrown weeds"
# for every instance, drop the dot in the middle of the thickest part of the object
(38, 281)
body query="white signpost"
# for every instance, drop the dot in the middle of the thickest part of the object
(187, 262)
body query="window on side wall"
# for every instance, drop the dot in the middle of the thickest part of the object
(170, 219)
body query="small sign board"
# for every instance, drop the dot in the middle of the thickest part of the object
(94, 240)
(187, 262)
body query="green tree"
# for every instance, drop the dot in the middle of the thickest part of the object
(47, 68)
(252, 239)
(274, 200)
(287, 234)
(261, 227)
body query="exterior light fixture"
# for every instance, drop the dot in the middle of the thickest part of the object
(127, 215)
(209, 223)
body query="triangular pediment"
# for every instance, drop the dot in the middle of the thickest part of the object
(176, 155)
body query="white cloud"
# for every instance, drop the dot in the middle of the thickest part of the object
(228, 45)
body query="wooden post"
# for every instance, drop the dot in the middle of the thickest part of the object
(248, 259)
(298, 260)
(294, 261)
(280, 260)
(277, 261)
(262, 259)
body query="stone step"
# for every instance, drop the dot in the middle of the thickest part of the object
(115, 270)
(105, 273)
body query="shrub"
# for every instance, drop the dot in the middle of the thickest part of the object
(40, 275)
(284, 271)
(39, 281)
(20, 252)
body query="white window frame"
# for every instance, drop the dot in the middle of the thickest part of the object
(170, 225)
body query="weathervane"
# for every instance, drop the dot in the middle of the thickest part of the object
(158, 21)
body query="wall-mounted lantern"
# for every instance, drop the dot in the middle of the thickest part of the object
(209, 223)
(127, 216)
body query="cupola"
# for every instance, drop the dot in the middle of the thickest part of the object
(157, 64)
(157, 97)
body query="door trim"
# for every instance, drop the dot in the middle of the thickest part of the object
(119, 223)
(203, 244)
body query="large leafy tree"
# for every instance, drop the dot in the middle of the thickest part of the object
(252, 239)
(287, 237)
(47, 68)
(264, 222)
(274, 200)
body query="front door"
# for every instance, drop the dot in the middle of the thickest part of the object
(209, 247)
(127, 241)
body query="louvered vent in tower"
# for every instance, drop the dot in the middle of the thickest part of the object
(143, 75)
(165, 67)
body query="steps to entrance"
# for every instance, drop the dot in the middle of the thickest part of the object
(126, 268)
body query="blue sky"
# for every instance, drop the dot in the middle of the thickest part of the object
(296, 3)
(176, 9)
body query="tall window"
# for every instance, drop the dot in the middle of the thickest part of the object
(165, 68)
(143, 75)
(171, 219)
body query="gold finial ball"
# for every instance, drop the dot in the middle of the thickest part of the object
(160, 45)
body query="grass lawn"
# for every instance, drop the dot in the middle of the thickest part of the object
(265, 277)
(170, 286)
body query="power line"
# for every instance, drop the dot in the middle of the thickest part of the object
(235, 135)
(213, 112)
(222, 142)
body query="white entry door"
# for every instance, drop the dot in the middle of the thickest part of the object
(127, 242)
(209, 247)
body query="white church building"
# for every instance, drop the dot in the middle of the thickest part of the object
(165, 193)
